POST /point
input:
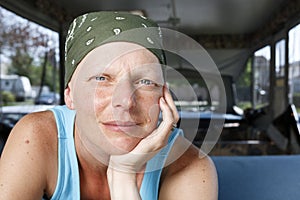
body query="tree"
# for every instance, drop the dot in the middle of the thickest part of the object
(20, 63)
(25, 44)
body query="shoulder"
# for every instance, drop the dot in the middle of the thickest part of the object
(186, 157)
(193, 174)
(38, 128)
(37, 133)
(31, 152)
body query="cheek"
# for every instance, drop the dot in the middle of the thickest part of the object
(101, 98)
(90, 100)
(83, 98)
(149, 106)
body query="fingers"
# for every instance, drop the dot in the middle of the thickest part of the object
(170, 115)
(154, 142)
(170, 102)
(159, 137)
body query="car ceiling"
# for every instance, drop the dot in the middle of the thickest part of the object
(189, 16)
(228, 29)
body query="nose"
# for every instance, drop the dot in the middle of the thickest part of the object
(124, 95)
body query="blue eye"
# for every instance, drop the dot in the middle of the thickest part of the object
(146, 82)
(100, 78)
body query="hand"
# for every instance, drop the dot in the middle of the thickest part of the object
(135, 160)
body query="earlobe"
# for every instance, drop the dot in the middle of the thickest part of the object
(68, 98)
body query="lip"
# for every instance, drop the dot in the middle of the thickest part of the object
(120, 126)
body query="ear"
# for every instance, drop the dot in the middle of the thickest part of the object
(69, 98)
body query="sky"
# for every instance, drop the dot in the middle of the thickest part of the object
(12, 18)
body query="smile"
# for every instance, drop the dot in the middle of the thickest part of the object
(120, 126)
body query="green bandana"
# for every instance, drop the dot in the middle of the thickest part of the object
(91, 30)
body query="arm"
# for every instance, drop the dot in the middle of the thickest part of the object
(118, 189)
(22, 166)
(193, 176)
(122, 170)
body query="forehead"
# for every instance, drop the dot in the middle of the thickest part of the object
(109, 56)
(112, 51)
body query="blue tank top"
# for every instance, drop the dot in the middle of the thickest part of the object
(68, 183)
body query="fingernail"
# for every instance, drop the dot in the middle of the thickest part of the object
(162, 99)
(167, 86)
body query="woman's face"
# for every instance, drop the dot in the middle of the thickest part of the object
(115, 91)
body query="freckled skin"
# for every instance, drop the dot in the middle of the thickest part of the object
(32, 148)
(120, 97)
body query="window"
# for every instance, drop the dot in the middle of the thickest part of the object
(294, 66)
(280, 58)
(243, 87)
(261, 79)
(24, 46)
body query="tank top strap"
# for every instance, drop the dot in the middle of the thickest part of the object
(68, 186)
(64, 121)
(150, 185)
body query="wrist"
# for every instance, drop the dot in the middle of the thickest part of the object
(122, 185)
(117, 176)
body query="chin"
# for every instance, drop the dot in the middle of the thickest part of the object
(123, 145)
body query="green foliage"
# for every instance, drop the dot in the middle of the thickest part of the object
(243, 86)
(245, 78)
(20, 63)
(296, 99)
(7, 97)
(244, 105)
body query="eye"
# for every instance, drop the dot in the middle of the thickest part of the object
(100, 78)
(146, 82)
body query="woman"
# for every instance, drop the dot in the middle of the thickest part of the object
(107, 141)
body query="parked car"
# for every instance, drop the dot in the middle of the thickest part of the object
(19, 86)
(10, 115)
(50, 98)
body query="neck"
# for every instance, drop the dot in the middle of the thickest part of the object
(87, 161)
(93, 171)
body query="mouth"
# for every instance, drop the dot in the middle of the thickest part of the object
(120, 126)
